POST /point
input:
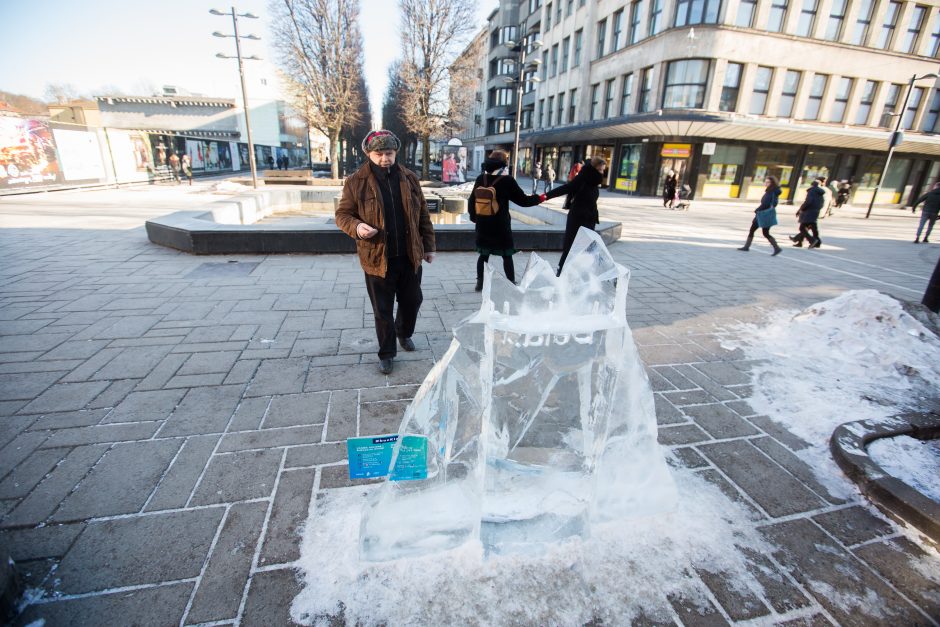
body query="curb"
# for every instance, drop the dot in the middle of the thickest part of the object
(897, 499)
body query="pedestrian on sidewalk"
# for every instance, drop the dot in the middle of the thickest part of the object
(187, 165)
(384, 210)
(670, 185)
(827, 197)
(493, 223)
(928, 215)
(575, 168)
(765, 216)
(536, 176)
(548, 175)
(808, 216)
(174, 163)
(582, 212)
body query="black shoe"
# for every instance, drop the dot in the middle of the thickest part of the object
(744, 248)
(917, 241)
(926, 241)
(776, 252)
(816, 244)
(799, 245)
(479, 286)
(385, 366)
(794, 238)
(406, 343)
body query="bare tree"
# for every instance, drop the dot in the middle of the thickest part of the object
(354, 132)
(393, 113)
(433, 32)
(319, 50)
(464, 83)
(60, 93)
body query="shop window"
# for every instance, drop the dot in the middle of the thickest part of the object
(685, 84)
(791, 82)
(887, 28)
(932, 118)
(626, 93)
(816, 92)
(646, 89)
(565, 45)
(572, 104)
(578, 41)
(836, 20)
(729, 89)
(817, 165)
(616, 34)
(551, 110)
(804, 26)
(725, 163)
(595, 101)
(841, 100)
(628, 167)
(656, 17)
(634, 22)
(761, 89)
(865, 103)
(890, 106)
(777, 16)
(866, 9)
(691, 12)
(561, 109)
(909, 43)
(601, 39)
(609, 99)
(771, 162)
(913, 104)
(746, 11)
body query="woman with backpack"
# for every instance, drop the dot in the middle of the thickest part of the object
(582, 207)
(489, 211)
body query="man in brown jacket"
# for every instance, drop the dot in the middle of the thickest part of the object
(384, 210)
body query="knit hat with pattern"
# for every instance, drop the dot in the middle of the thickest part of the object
(380, 140)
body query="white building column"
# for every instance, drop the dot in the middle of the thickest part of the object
(900, 29)
(776, 90)
(923, 48)
(802, 95)
(822, 19)
(713, 91)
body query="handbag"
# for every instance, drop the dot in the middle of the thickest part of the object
(766, 218)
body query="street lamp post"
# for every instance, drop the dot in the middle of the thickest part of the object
(895, 137)
(520, 82)
(241, 75)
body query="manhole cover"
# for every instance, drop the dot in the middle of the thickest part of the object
(223, 269)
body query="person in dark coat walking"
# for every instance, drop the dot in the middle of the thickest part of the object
(808, 215)
(928, 214)
(670, 184)
(582, 208)
(494, 233)
(765, 216)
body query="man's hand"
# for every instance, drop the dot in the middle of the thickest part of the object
(429, 257)
(364, 231)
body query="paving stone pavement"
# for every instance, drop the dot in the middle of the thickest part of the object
(165, 419)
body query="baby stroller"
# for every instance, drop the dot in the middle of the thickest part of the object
(683, 200)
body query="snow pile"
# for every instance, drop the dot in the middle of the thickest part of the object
(858, 356)
(227, 187)
(623, 570)
(913, 461)
(464, 188)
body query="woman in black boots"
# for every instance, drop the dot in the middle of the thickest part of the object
(582, 208)
(765, 216)
(494, 232)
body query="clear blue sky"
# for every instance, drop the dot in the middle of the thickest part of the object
(130, 44)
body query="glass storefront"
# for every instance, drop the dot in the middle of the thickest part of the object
(771, 162)
(628, 168)
(723, 171)
(817, 165)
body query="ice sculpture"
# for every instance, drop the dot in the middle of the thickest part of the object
(539, 420)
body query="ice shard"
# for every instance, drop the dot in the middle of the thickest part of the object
(539, 420)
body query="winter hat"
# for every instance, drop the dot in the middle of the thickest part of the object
(380, 140)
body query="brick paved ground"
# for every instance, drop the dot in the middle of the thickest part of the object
(166, 419)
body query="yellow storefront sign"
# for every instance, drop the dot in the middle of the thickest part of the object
(679, 151)
(626, 185)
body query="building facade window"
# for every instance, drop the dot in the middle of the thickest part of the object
(554, 66)
(656, 17)
(565, 45)
(791, 82)
(534, 5)
(932, 118)
(616, 31)
(541, 117)
(601, 39)
(525, 120)
(804, 26)
(558, 12)
(730, 87)
(891, 105)
(913, 104)
(816, 92)
(863, 22)
(686, 81)
(626, 93)
(572, 105)
(561, 108)
(609, 99)
(507, 34)
(634, 22)
(595, 101)
(544, 64)
(570, 8)
(934, 46)
(548, 17)
(646, 90)
(836, 20)
(761, 89)
(578, 41)
(777, 16)
(690, 12)
(841, 100)
(502, 97)
(551, 110)
(918, 16)
(865, 103)
(886, 34)
(746, 11)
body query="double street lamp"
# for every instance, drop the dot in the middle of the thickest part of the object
(529, 44)
(896, 136)
(241, 74)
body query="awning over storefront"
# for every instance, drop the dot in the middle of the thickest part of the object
(736, 127)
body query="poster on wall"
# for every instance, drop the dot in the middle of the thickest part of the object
(236, 163)
(212, 157)
(27, 153)
(196, 151)
(79, 155)
(244, 156)
(131, 154)
(225, 156)
(454, 167)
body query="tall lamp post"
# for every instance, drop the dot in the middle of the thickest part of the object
(523, 48)
(895, 137)
(241, 75)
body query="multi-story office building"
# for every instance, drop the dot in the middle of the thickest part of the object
(726, 92)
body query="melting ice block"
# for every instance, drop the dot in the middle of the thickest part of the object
(539, 419)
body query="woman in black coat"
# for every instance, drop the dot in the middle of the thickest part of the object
(494, 233)
(582, 208)
(669, 189)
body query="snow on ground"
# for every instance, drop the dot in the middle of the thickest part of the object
(854, 357)
(624, 570)
(913, 461)
(228, 187)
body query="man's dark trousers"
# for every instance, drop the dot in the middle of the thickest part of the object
(401, 282)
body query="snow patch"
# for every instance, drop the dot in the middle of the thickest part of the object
(915, 462)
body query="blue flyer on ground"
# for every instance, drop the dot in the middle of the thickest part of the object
(371, 456)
